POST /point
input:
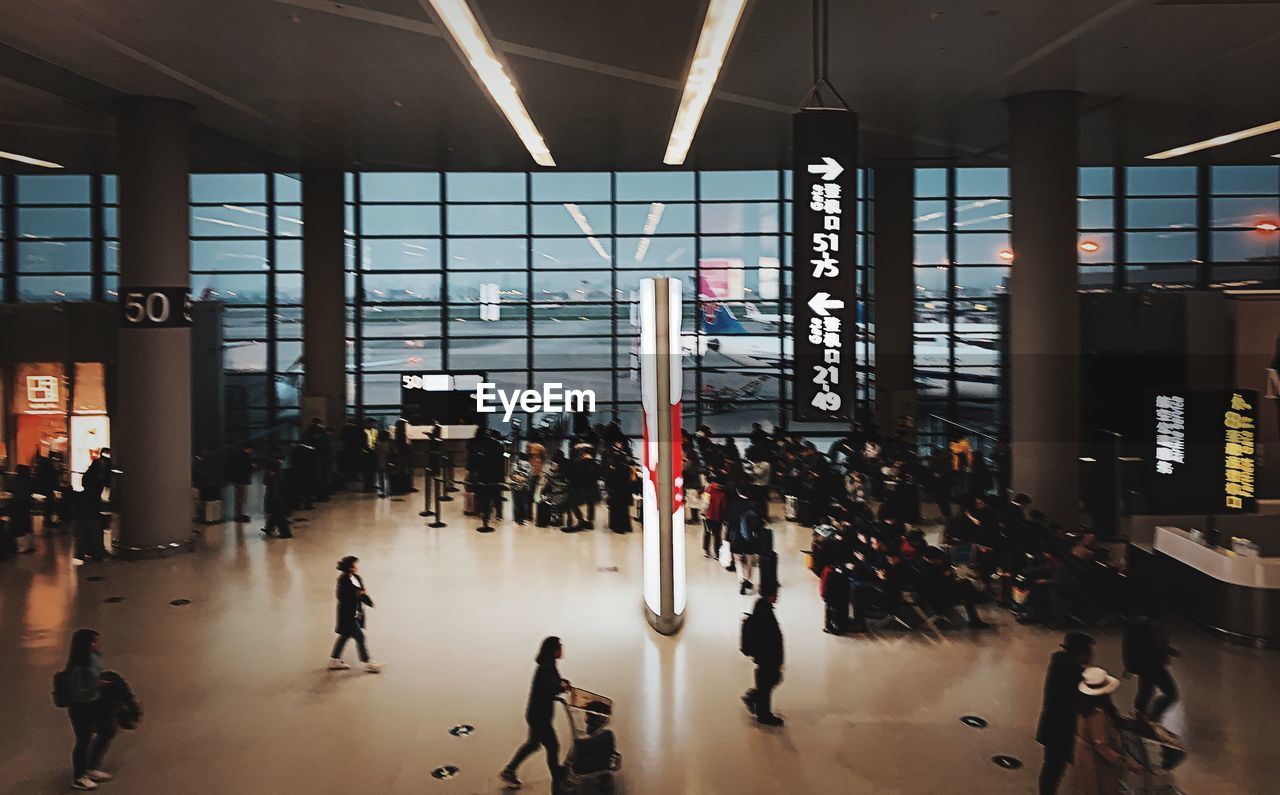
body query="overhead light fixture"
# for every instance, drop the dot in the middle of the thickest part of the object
(650, 226)
(31, 161)
(467, 34)
(1006, 255)
(581, 220)
(713, 44)
(1089, 246)
(1220, 140)
(1268, 226)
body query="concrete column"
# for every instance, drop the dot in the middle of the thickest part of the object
(894, 190)
(1044, 332)
(324, 351)
(151, 433)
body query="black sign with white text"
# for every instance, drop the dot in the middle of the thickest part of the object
(825, 216)
(155, 307)
(1203, 453)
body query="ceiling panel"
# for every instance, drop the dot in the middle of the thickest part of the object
(374, 83)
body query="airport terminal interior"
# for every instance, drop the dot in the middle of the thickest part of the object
(687, 396)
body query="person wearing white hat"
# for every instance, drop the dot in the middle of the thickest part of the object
(1100, 761)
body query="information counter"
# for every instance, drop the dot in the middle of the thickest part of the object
(1235, 596)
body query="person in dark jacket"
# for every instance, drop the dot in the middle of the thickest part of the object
(47, 479)
(276, 502)
(1057, 728)
(584, 490)
(21, 488)
(1146, 652)
(489, 468)
(97, 477)
(91, 719)
(352, 599)
(547, 685)
(240, 468)
(302, 474)
(766, 651)
(619, 481)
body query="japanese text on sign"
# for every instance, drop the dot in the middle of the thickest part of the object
(1171, 432)
(1239, 428)
(825, 328)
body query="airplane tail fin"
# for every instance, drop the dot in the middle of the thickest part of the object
(715, 317)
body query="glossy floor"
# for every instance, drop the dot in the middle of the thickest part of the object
(238, 699)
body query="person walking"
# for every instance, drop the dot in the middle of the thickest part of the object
(382, 463)
(1146, 653)
(352, 599)
(240, 468)
(1057, 728)
(91, 720)
(765, 648)
(1100, 760)
(546, 685)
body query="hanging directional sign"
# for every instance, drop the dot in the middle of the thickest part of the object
(824, 248)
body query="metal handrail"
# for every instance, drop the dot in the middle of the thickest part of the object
(963, 427)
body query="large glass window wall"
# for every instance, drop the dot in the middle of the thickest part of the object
(533, 278)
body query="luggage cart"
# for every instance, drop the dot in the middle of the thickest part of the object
(593, 753)
(1159, 751)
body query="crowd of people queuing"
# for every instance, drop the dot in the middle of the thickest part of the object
(554, 484)
(43, 490)
(862, 497)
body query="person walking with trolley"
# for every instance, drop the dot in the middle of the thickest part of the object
(547, 686)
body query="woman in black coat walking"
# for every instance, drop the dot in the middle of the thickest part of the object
(547, 684)
(352, 599)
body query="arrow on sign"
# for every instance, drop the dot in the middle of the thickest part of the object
(828, 168)
(823, 303)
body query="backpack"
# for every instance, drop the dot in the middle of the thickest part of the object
(749, 527)
(61, 684)
(747, 635)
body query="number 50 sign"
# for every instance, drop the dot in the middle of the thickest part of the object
(155, 307)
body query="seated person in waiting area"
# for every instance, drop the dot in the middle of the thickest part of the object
(890, 576)
(942, 590)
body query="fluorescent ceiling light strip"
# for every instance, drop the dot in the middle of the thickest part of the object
(31, 161)
(708, 57)
(581, 221)
(462, 25)
(1220, 140)
(650, 226)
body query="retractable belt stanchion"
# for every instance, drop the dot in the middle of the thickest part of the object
(437, 486)
(449, 488)
(447, 475)
(426, 489)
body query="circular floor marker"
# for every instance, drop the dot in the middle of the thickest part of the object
(444, 773)
(95, 578)
(397, 499)
(607, 569)
(1007, 762)
(179, 602)
(974, 722)
(462, 730)
(111, 600)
